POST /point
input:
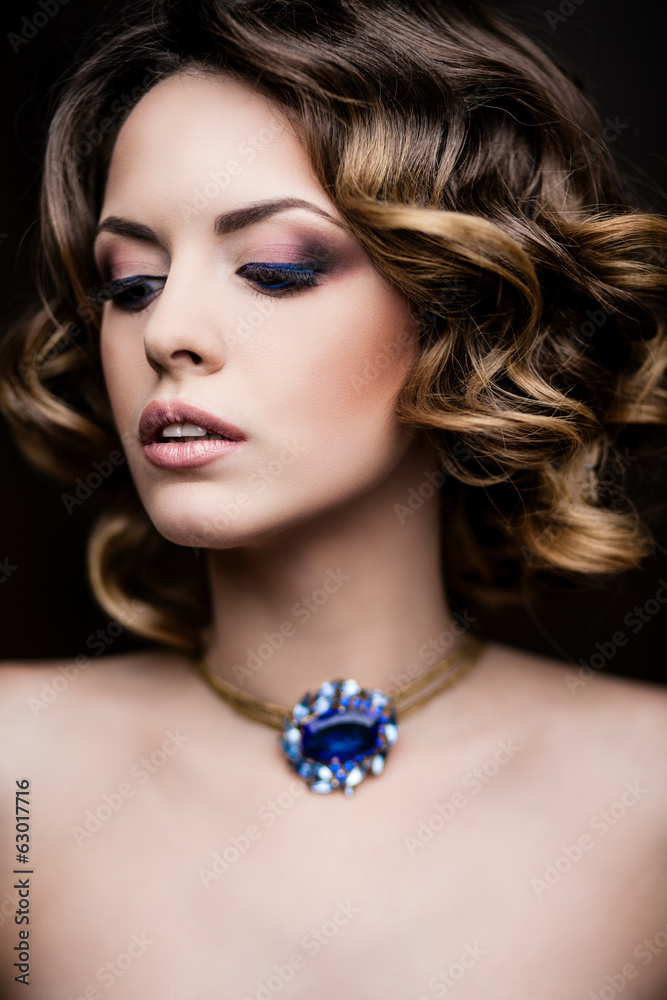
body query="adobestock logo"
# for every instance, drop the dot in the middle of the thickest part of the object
(68, 673)
(6, 569)
(601, 823)
(474, 780)
(140, 772)
(257, 481)
(646, 950)
(635, 619)
(93, 136)
(30, 26)
(112, 970)
(430, 651)
(238, 844)
(84, 488)
(430, 484)
(384, 359)
(312, 943)
(447, 979)
(218, 180)
(566, 9)
(302, 612)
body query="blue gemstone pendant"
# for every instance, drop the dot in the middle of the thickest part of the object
(339, 735)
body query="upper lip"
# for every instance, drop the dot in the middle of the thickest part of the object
(160, 414)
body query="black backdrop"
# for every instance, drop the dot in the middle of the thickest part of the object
(46, 609)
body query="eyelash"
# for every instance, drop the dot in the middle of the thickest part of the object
(297, 276)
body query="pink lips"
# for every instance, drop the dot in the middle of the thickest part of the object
(185, 454)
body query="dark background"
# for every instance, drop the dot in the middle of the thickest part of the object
(46, 609)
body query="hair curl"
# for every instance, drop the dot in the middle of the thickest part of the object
(474, 171)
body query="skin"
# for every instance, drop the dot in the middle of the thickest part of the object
(294, 378)
(401, 896)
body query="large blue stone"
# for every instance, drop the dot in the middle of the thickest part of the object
(339, 734)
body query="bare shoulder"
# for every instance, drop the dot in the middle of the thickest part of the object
(610, 728)
(84, 676)
(574, 691)
(41, 700)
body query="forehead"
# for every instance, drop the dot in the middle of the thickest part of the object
(197, 137)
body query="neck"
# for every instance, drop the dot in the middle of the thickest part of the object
(353, 593)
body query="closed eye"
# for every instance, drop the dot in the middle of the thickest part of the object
(132, 294)
(135, 293)
(280, 279)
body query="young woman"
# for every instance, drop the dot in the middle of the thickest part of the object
(324, 277)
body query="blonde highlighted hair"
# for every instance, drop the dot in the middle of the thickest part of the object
(473, 170)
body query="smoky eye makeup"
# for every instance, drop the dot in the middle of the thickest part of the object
(281, 261)
(301, 239)
(291, 246)
(132, 294)
(282, 266)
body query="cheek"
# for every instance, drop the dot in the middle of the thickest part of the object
(371, 342)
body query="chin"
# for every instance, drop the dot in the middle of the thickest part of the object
(206, 524)
(204, 515)
(206, 536)
(198, 528)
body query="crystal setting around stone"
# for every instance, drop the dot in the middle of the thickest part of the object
(339, 735)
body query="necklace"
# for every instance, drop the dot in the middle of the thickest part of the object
(340, 734)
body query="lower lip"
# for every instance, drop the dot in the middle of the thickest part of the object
(188, 454)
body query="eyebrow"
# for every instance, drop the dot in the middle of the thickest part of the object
(228, 222)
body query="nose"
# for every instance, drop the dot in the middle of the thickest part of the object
(182, 335)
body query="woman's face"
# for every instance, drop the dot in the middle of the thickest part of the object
(306, 361)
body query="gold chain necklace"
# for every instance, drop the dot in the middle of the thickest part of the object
(337, 736)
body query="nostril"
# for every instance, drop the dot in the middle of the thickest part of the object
(196, 358)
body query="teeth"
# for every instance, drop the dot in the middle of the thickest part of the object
(184, 430)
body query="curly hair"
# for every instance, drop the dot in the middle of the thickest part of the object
(474, 171)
